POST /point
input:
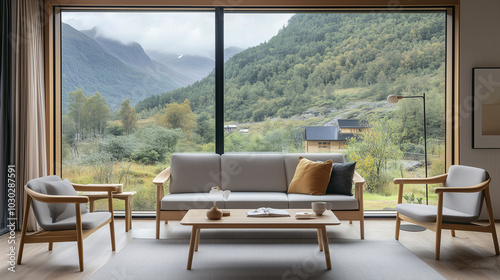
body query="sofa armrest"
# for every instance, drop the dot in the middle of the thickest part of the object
(359, 183)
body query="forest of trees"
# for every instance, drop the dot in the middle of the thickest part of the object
(324, 62)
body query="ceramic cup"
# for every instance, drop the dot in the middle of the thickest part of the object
(320, 207)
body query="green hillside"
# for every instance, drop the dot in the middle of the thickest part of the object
(306, 64)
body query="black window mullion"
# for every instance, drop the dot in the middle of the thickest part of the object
(219, 80)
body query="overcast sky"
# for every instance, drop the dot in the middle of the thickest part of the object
(179, 32)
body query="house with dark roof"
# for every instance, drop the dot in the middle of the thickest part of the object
(327, 139)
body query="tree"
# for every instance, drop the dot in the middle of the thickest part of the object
(179, 116)
(205, 128)
(374, 149)
(95, 114)
(76, 101)
(128, 116)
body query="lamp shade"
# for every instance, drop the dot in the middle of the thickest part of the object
(392, 98)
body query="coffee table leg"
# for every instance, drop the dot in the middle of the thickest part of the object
(320, 240)
(197, 240)
(326, 247)
(127, 217)
(191, 247)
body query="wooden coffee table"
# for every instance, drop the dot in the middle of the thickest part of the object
(238, 219)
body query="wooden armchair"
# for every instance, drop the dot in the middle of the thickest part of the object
(61, 216)
(459, 204)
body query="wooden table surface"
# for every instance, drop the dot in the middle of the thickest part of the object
(238, 218)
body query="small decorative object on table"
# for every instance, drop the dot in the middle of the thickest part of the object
(215, 213)
(268, 212)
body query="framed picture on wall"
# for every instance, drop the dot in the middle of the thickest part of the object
(486, 108)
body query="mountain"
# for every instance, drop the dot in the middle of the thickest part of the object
(88, 65)
(193, 66)
(316, 56)
(231, 51)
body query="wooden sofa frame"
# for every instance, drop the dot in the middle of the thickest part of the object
(350, 215)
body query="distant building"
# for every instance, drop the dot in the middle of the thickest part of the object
(230, 127)
(352, 126)
(320, 139)
(245, 130)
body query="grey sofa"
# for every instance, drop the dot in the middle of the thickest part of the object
(255, 180)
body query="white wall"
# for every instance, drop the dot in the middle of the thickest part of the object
(479, 46)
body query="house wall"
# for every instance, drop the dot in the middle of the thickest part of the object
(479, 46)
(313, 146)
(350, 130)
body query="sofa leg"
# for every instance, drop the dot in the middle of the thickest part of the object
(362, 227)
(166, 221)
(157, 227)
(350, 222)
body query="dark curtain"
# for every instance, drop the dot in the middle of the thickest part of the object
(6, 109)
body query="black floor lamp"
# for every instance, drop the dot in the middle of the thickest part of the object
(394, 99)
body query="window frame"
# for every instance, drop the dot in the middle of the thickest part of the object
(53, 53)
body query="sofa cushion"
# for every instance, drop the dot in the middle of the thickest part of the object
(341, 179)
(252, 200)
(253, 173)
(291, 161)
(186, 201)
(311, 177)
(339, 202)
(194, 173)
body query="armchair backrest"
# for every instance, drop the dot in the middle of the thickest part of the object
(465, 176)
(50, 213)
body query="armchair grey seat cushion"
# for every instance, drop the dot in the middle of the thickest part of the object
(428, 213)
(89, 221)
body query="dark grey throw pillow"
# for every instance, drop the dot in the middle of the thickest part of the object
(341, 179)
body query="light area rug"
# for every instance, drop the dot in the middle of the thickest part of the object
(293, 259)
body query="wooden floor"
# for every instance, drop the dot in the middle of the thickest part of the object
(469, 255)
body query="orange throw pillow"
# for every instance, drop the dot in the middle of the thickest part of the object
(311, 177)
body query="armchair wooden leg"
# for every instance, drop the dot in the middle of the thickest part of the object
(157, 225)
(453, 233)
(23, 233)
(495, 240)
(350, 222)
(51, 244)
(112, 233)
(438, 243)
(398, 226)
(489, 207)
(79, 235)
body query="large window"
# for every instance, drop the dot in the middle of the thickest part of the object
(139, 86)
(324, 78)
(124, 106)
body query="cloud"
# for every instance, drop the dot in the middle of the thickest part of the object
(179, 32)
